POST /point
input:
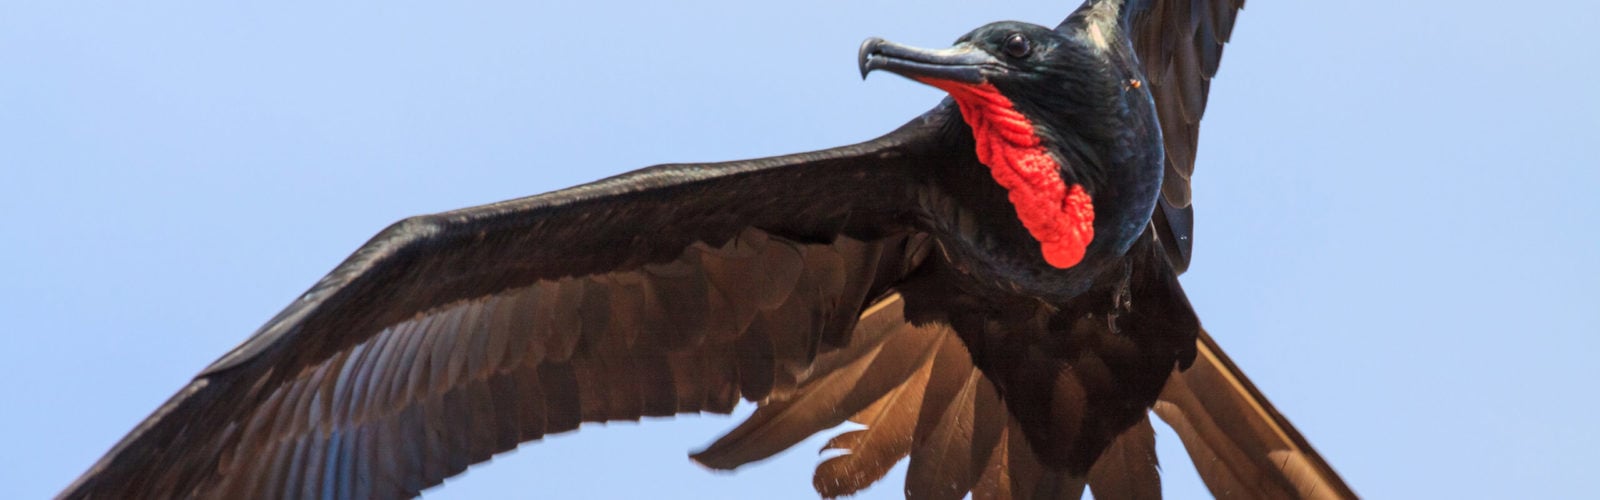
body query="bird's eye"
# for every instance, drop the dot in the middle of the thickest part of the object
(1017, 46)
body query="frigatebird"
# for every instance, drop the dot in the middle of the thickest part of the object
(991, 289)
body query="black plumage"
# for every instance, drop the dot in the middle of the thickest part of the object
(889, 282)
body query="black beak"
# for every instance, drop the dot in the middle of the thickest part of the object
(961, 63)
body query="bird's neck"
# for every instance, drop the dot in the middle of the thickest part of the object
(1058, 215)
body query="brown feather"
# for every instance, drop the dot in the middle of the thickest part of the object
(756, 364)
(996, 481)
(952, 367)
(530, 398)
(563, 411)
(869, 453)
(959, 428)
(826, 402)
(1240, 444)
(948, 460)
(1022, 466)
(1129, 468)
(657, 385)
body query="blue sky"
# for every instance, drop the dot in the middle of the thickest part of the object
(1396, 239)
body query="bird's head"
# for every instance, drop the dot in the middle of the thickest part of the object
(1046, 109)
(1043, 72)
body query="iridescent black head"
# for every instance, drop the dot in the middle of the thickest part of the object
(1052, 76)
(1068, 98)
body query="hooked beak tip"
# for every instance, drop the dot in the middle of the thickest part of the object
(962, 63)
(864, 59)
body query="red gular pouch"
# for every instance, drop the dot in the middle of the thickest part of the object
(1059, 216)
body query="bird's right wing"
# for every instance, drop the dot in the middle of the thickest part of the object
(450, 337)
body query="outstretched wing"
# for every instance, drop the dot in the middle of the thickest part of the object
(1180, 44)
(450, 337)
(1241, 445)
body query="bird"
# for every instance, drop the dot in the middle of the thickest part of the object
(991, 289)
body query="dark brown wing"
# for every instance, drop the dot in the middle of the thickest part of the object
(1241, 445)
(1180, 44)
(451, 337)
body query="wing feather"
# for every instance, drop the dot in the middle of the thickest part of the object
(951, 448)
(1180, 44)
(869, 453)
(887, 351)
(448, 338)
(1240, 444)
(1128, 469)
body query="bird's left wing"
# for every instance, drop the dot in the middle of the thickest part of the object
(1180, 44)
(1242, 447)
(450, 337)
